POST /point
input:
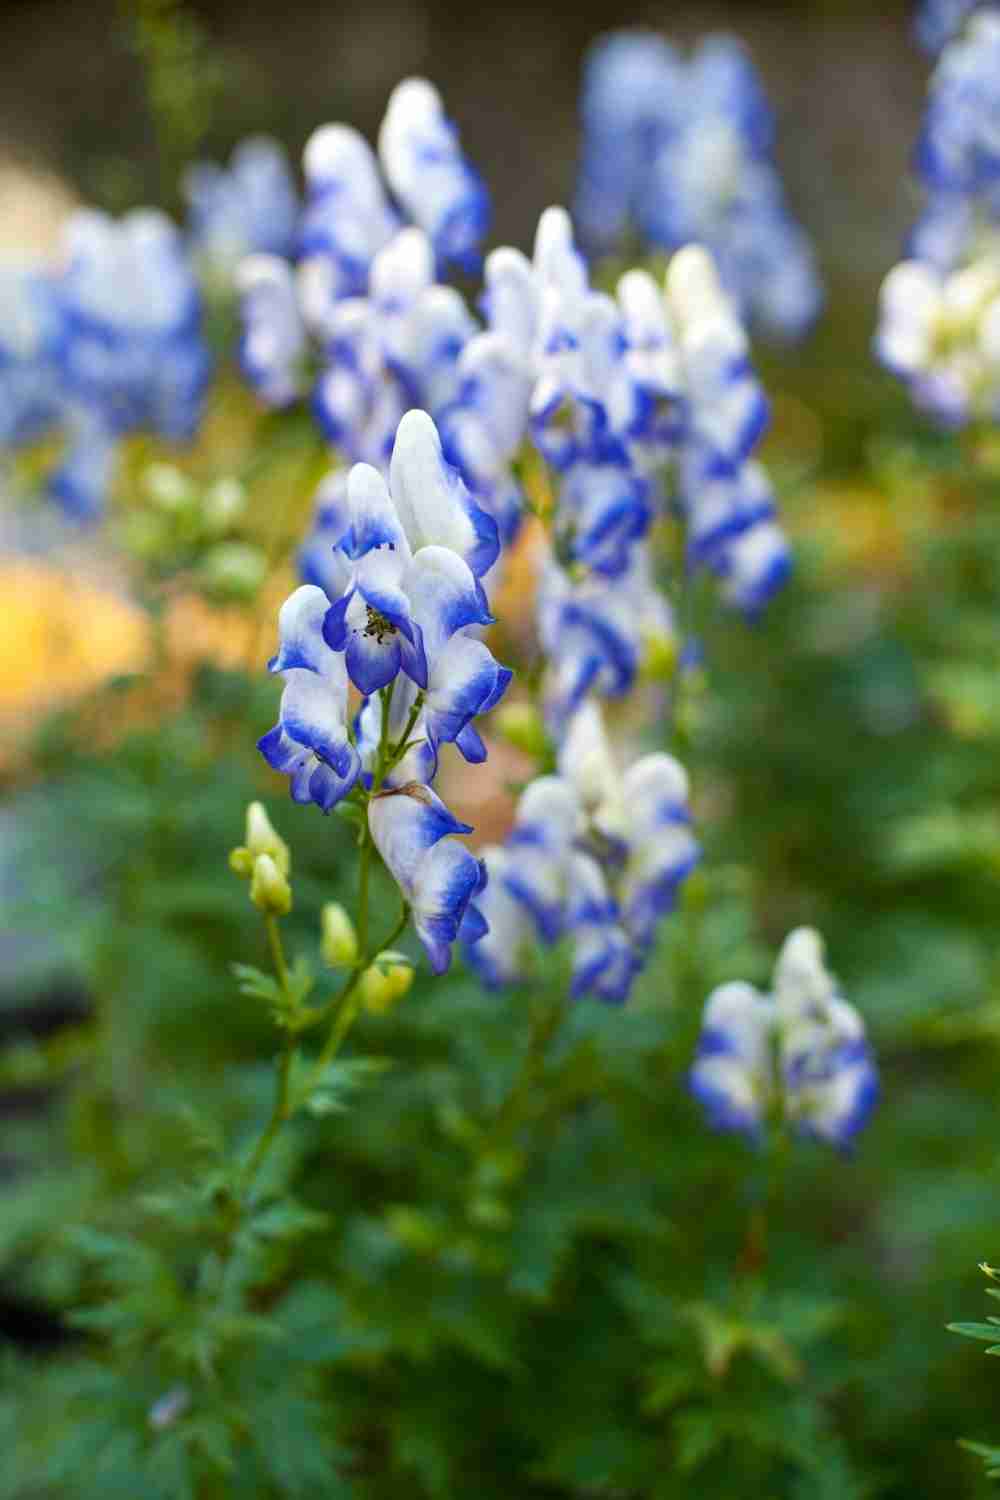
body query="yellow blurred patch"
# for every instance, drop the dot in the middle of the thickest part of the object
(63, 637)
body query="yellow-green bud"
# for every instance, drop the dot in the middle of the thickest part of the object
(385, 982)
(659, 655)
(167, 486)
(339, 941)
(261, 838)
(521, 724)
(233, 570)
(269, 890)
(224, 503)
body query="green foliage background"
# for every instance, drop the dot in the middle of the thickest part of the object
(580, 1301)
(589, 1295)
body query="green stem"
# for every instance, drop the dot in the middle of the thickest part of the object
(545, 1023)
(277, 951)
(347, 1004)
(397, 750)
(281, 1108)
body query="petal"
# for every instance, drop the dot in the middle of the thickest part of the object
(300, 632)
(404, 825)
(466, 680)
(374, 522)
(500, 955)
(314, 713)
(431, 500)
(444, 597)
(372, 661)
(450, 876)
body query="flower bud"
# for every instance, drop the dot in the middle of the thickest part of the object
(233, 570)
(521, 724)
(659, 655)
(269, 890)
(339, 941)
(385, 982)
(223, 505)
(261, 838)
(167, 487)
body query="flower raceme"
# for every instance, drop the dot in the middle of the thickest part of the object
(801, 1050)
(405, 591)
(683, 150)
(362, 297)
(597, 853)
(107, 343)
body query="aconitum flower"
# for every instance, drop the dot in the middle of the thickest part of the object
(411, 827)
(683, 152)
(640, 812)
(106, 343)
(347, 216)
(428, 175)
(419, 546)
(249, 207)
(959, 147)
(274, 343)
(631, 102)
(395, 349)
(501, 955)
(596, 855)
(134, 351)
(311, 742)
(32, 331)
(802, 1049)
(733, 1072)
(937, 21)
(941, 335)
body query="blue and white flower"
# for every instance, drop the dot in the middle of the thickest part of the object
(311, 742)
(274, 342)
(411, 828)
(419, 545)
(937, 21)
(605, 962)
(802, 1047)
(428, 175)
(249, 207)
(501, 955)
(396, 349)
(941, 335)
(959, 146)
(32, 332)
(590, 631)
(683, 151)
(732, 1076)
(639, 814)
(829, 1077)
(631, 102)
(133, 351)
(347, 217)
(547, 823)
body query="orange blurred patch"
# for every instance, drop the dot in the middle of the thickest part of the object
(63, 637)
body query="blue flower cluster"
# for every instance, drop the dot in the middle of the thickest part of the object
(799, 1053)
(939, 319)
(393, 608)
(357, 295)
(109, 343)
(597, 854)
(636, 402)
(682, 151)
